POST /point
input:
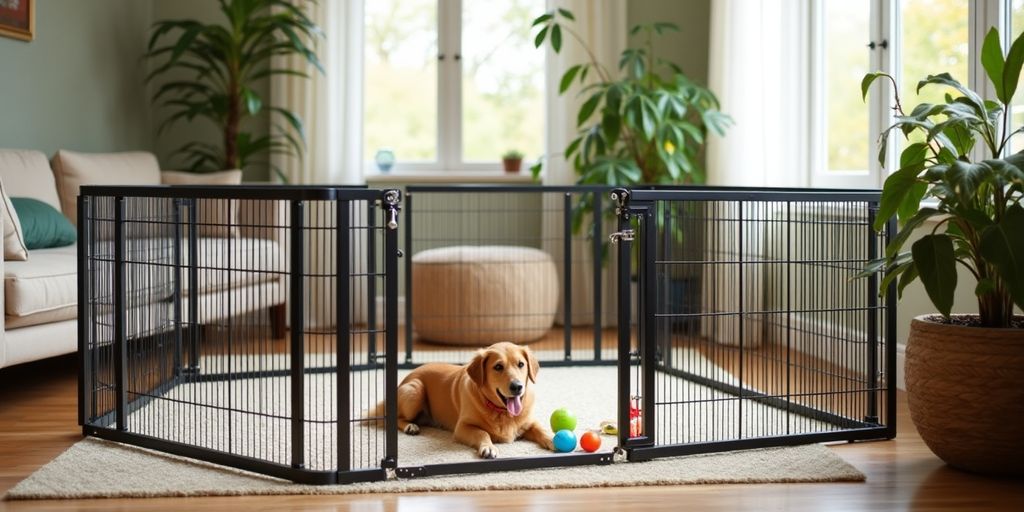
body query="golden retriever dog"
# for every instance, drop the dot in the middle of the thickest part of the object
(487, 401)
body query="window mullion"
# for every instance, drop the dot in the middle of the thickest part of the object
(449, 130)
(984, 14)
(455, 94)
(884, 27)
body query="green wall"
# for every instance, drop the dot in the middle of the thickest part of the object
(78, 85)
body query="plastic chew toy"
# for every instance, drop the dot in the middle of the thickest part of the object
(565, 441)
(563, 419)
(590, 441)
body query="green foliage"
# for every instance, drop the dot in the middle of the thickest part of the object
(210, 71)
(978, 202)
(512, 154)
(646, 123)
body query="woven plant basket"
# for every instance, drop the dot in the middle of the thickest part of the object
(965, 387)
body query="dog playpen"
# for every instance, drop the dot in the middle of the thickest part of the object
(255, 326)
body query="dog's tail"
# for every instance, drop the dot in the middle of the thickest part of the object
(376, 413)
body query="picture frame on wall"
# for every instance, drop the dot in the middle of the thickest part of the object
(18, 19)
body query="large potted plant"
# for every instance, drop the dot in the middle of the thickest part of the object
(643, 123)
(958, 187)
(212, 72)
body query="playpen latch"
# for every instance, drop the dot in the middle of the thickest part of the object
(625, 235)
(391, 200)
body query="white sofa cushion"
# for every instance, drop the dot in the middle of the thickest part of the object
(72, 170)
(45, 283)
(45, 288)
(23, 173)
(14, 240)
(27, 173)
(212, 213)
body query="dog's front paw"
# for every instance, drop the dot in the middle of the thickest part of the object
(488, 451)
(547, 443)
(412, 429)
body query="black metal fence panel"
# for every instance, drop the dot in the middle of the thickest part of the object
(754, 327)
(527, 264)
(233, 325)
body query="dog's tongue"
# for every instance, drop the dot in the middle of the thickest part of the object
(514, 405)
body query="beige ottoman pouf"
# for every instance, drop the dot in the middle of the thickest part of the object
(478, 295)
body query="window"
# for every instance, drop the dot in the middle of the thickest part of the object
(846, 60)
(909, 39)
(1016, 20)
(452, 84)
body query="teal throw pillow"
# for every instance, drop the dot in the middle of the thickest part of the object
(42, 225)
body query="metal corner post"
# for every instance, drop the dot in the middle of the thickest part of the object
(84, 350)
(408, 276)
(890, 343)
(120, 332)
(391, 204)
(598, 240)
(298, 353)
(567, 273)
(342, 324)
(624, 246)
(872, 319)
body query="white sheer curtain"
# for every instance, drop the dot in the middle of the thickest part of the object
(758, 65)
(602, 25)
(759, 68)
(330, 105)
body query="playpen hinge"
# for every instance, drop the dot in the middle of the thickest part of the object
(621, 198)
(391, 200)
(626, 235)
(410, 472)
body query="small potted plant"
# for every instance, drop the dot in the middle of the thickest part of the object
(512, 160)
(958, 195)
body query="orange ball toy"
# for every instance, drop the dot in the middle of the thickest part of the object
(590, 441)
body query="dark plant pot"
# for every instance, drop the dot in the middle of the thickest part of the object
(512, 165)
(965, 394)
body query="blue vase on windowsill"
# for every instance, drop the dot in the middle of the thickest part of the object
(385, 159)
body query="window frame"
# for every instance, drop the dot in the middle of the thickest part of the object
(885, 26)
(449, 129)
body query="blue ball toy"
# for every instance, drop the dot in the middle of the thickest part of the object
(565, 441)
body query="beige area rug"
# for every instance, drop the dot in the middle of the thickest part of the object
(93, 468)
(259, 426)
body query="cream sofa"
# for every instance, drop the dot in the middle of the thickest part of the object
(40, 295)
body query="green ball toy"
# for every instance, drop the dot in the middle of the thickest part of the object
(563, 419)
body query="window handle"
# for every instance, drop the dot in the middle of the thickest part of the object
(440, 56)
(458, 57)
(884, 44)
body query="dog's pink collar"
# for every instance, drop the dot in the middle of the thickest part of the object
(491, 405)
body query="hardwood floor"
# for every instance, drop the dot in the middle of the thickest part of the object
(37, 422)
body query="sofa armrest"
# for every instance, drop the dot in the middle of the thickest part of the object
(3, 319)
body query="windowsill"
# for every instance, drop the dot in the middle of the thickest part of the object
(447, 177)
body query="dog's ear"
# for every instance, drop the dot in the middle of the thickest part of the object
(477, 368)
(532, 364)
